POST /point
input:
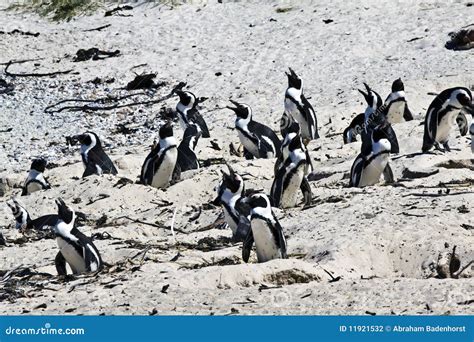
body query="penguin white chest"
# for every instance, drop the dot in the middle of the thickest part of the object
(162, 176)
(294, 176)
(73, 258)
(447, 122)
(33, 187)
(372, 172)
(230, 220)
(395, 113)
(265, 244)
(248, 144)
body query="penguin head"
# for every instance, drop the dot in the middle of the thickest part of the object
(231, 182)
(186, 98)
(373, 99)
(87, 139)
(398, 85)
(39, 165)
(65, 213)
(166, 130)
(380, 141)
(293, 80)
(464, 97)
(258, 200)
(242, 110)
(22, 217)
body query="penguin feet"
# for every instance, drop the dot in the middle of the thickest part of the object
(446, 147)
(438, 147)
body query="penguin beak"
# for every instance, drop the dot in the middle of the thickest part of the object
(236, 104)
(367, 88)
(231, 170)
(364, 94)
(60, 203)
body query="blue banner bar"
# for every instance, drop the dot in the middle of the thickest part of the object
(236, 328)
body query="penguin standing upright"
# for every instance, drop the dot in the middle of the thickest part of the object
(230, 194)
(95, 160)
(266, 231)
(396, 107)
(368, 167)
(24, 222)
(187, 159)
(373, 117)
(291, 169)
(259, 141)
(189, 113)
(75, 249)
(35, 180)
(441, 116)
(157, 170)
(355, 128)
(298, 107)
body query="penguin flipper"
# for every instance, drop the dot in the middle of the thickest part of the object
(247, 154)
(463, 124)
(24, 192)
(407, 115)
(281, 239)
(310, 115)
(90, 170)
(243, 229)
(60, 263)
(388, 174)
(42, 222)
(307, 193)
(392, 137)
(176, 176)
(247, 246)
(194, 116)
(356, 171)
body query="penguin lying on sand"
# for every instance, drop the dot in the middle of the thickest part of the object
(266, 231)
(75, 249)
(259, 141)
(35, 180)
(442, 114)
(95, 160)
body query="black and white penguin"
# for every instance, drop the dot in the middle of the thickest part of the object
(291, 169)
(230, 194)
(35, 180)
(266, 231)
(95, 160)
(187, 159)
(396, 107)
(24, 222)
(441, 116)
(259, 141)
(298, 107)
(367, 168)
(159, 165)
(462, 123)
(188, 112)
(75, 249)
(354, 129)
(373, 117)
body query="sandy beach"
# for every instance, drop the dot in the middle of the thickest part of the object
(353, 251)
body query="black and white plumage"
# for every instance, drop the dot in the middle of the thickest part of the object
(354, 129)
(35, 180)
(3, 242)
(462, 123)
(259, 141)
(291, 170)
(188, 112)
(187, 159)
(471, 132)
(298, 107)
(95, 160)
(159, 165)
(374, 117)
(230, 193)
(396, 106)
(368, 167)
(75, 248)
(441, 116)
(24, 222)
(266, 231)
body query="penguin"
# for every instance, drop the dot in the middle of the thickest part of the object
(259, 141)
(265, 231)
(187, 159)
(188, 112)
(35, 180)
(367, 168)
(291, 170)
(230, 194)
(462, 123)
(442, 114)
(471, 131)
(355, 128)
(24, 222)
(298, 107)
(373, 117)
(286, 121)
(95, 160)
(159, 165)
(75, 248)
(396, 107)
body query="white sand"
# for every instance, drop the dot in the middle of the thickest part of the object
(380, 240)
